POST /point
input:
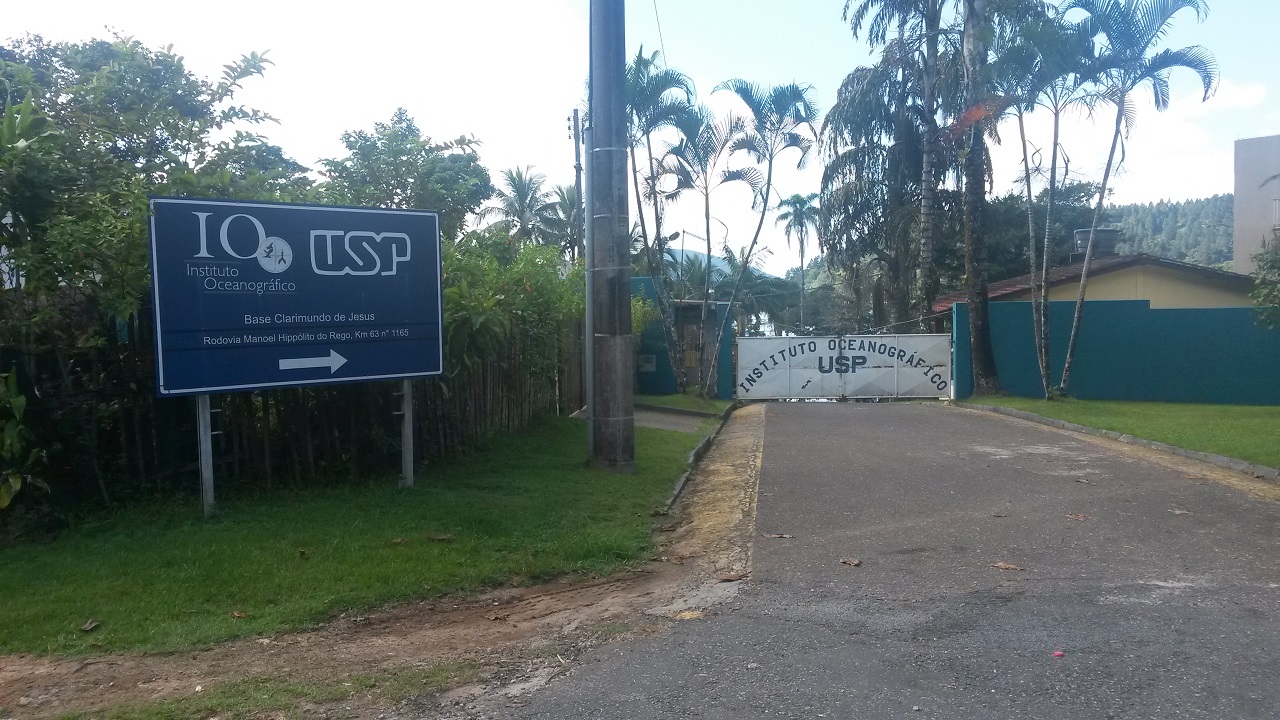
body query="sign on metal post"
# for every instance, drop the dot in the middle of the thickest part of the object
(851, 366)
(259, 295)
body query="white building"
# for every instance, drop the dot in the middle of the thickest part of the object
(1257, 202)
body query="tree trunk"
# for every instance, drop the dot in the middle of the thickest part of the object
(977, 27)
(706, 293)
(801, 328)
(1088, 252)
(737, 282)
(928, 176)
(1037, 320)
(1040, 285)
(665, 310)
(899, 229)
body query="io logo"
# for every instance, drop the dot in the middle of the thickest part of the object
(272, 253)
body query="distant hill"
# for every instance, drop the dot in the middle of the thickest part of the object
(717, 262)
(1194, 231)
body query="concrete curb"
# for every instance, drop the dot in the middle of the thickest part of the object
(1259, 471)
(697, 453)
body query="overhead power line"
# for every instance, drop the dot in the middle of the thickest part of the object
(661, 43)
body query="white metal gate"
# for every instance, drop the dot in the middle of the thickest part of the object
(851, 366)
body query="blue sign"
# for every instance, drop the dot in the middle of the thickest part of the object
(252, 295)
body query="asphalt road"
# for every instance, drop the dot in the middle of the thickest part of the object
(1162, 595)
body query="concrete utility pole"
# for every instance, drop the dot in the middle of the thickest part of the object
(614, 443)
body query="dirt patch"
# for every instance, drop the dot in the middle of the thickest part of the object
(519, 638)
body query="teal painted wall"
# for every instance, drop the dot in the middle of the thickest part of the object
(1127, 351)
(663, 381)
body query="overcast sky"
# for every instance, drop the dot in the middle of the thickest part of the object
(511, 71)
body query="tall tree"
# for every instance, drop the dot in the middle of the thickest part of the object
(524, 206)
(978, 30)
(920, 22)
(699, 162)
(800, 214)
(780, 119)
(1037, 64)
(1130, 31)
(868, 186)
(1059, 84)
(396, 166)
(563, 222)
(657, 97)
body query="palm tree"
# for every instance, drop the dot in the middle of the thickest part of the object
(692, 273)
(1038, 61)
(781, 119)
(698, 163)
(977, 37)
(874, 144)
(563, 224)
(920, 24)
(1055, 84)
(1130, 31)
(524, 207)
(656, 98)
(760, 295)
(799, 214)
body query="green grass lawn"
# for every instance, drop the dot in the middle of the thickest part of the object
(1245, 432)
(158, 578)
(685, 401)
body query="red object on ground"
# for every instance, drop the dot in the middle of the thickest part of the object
(1059, 653)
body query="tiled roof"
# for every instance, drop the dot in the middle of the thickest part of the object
(1101, 265)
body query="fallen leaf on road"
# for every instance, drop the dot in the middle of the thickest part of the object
(855, 562)
(779, 535)
(443, 537)
(1002, 565)
(1077, 516)
(733, 577)
(89, 625)
(1180, 512)
(239, 614)
(689, 615)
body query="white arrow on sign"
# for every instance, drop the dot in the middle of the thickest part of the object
(333, 362)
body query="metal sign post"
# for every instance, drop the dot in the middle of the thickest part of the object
(204, 429)
(406, 434)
